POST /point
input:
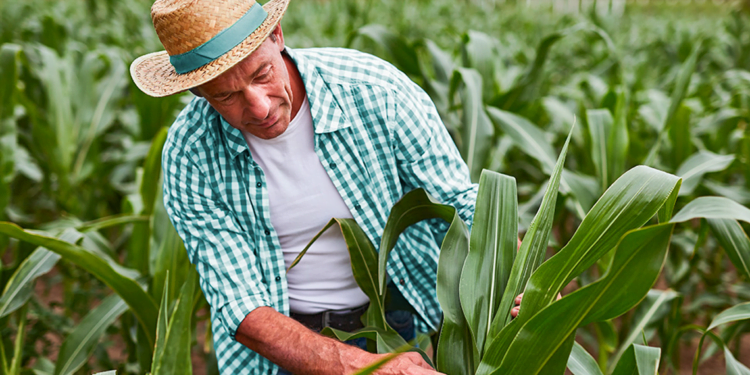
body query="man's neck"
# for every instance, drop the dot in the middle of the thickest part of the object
(295, 80)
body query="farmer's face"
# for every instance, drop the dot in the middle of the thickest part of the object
(257, 95)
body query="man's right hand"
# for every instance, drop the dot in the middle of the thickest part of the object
(301, 351)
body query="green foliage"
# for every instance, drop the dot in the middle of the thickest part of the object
(80, 168)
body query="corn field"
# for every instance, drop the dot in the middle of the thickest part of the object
(615, 144)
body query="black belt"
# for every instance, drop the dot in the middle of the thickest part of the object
(345, 320)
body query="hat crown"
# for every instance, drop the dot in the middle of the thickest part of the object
(183, 25)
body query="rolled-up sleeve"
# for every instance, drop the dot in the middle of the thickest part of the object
(426, 154)
(221, 250)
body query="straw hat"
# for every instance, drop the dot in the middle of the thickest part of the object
(202, 38)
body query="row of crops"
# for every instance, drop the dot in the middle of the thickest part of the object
(98, 279)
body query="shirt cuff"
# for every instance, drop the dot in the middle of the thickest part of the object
(233, 313)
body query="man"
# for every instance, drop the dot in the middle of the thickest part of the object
(276, 142)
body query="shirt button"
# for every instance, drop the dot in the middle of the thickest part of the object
(278, 278)
(402, 282)
(357, 207)
(259, 184)
(268, 232)
(333, 165)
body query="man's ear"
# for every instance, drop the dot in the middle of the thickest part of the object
(277, 36)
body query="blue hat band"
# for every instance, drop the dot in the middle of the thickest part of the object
(222, 43)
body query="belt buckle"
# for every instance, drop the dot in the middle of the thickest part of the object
(326, 319)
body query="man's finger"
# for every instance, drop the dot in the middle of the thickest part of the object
(518, 299)
(514, 311)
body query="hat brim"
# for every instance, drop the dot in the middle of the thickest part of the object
(155, 75)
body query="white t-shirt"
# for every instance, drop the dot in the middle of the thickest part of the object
(302, 200)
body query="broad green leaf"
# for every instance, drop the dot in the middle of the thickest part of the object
(533, 141)
(527, 136)
(737, 193)
(413, 207)
(665, 212)
(734, 367)
(476, 130)
(601, 124)
(9, 60)
(175, 357)
(142, 305)
(479, 52)
(735, 242)
(638, 360)
(678, 94)
(650, 311)
(79, 344)
(629, 203)
(641, 252)
(139, 251)
(582, 363)
(732, 314)
(161, 326)
(110, 372)
(533, 247)
(395, 46)
(712, 208)
(364, 261)
(456, 352)
(527, 88)
(697, 165)
(111, 221)
(619, 139)
(172, 263)
(21, 285)
(492, 249)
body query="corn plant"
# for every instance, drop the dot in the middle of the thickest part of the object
(480, 273)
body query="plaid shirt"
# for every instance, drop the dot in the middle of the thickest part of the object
(377, 134)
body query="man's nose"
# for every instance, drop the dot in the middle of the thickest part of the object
(258, 103)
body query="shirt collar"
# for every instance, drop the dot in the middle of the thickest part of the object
(326, 111)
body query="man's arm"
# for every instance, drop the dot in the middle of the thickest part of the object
(299, 350)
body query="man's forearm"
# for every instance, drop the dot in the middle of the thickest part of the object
(291, 345)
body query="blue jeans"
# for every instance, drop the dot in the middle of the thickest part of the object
(401, 321)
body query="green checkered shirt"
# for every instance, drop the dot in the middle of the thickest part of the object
(377, 134)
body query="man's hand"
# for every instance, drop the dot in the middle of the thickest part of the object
(403, 364)
(301, 351)
(514, 311)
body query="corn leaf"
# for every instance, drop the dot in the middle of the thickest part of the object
(601, 125)
(735, 242)
(732, 314)
(139, 251)
(456, 351)
(79, 344)
(582, 363)
(734, 367)
(712, 208)
(175, 357)
(492, 249)
(364, 261)
(640, 252)
(533, 247)
(653, 309)
(619, 140)
(678, 94)
(476, 130)
(395, 46)
(9, 60)
(20, 286)
(142, 305)
(629, 203)
(638, 360)
(697, 165)
(171, 263)
(413, 207)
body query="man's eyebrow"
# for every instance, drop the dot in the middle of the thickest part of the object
(255, 73)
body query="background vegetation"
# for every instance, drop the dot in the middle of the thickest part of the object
(667, 85)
